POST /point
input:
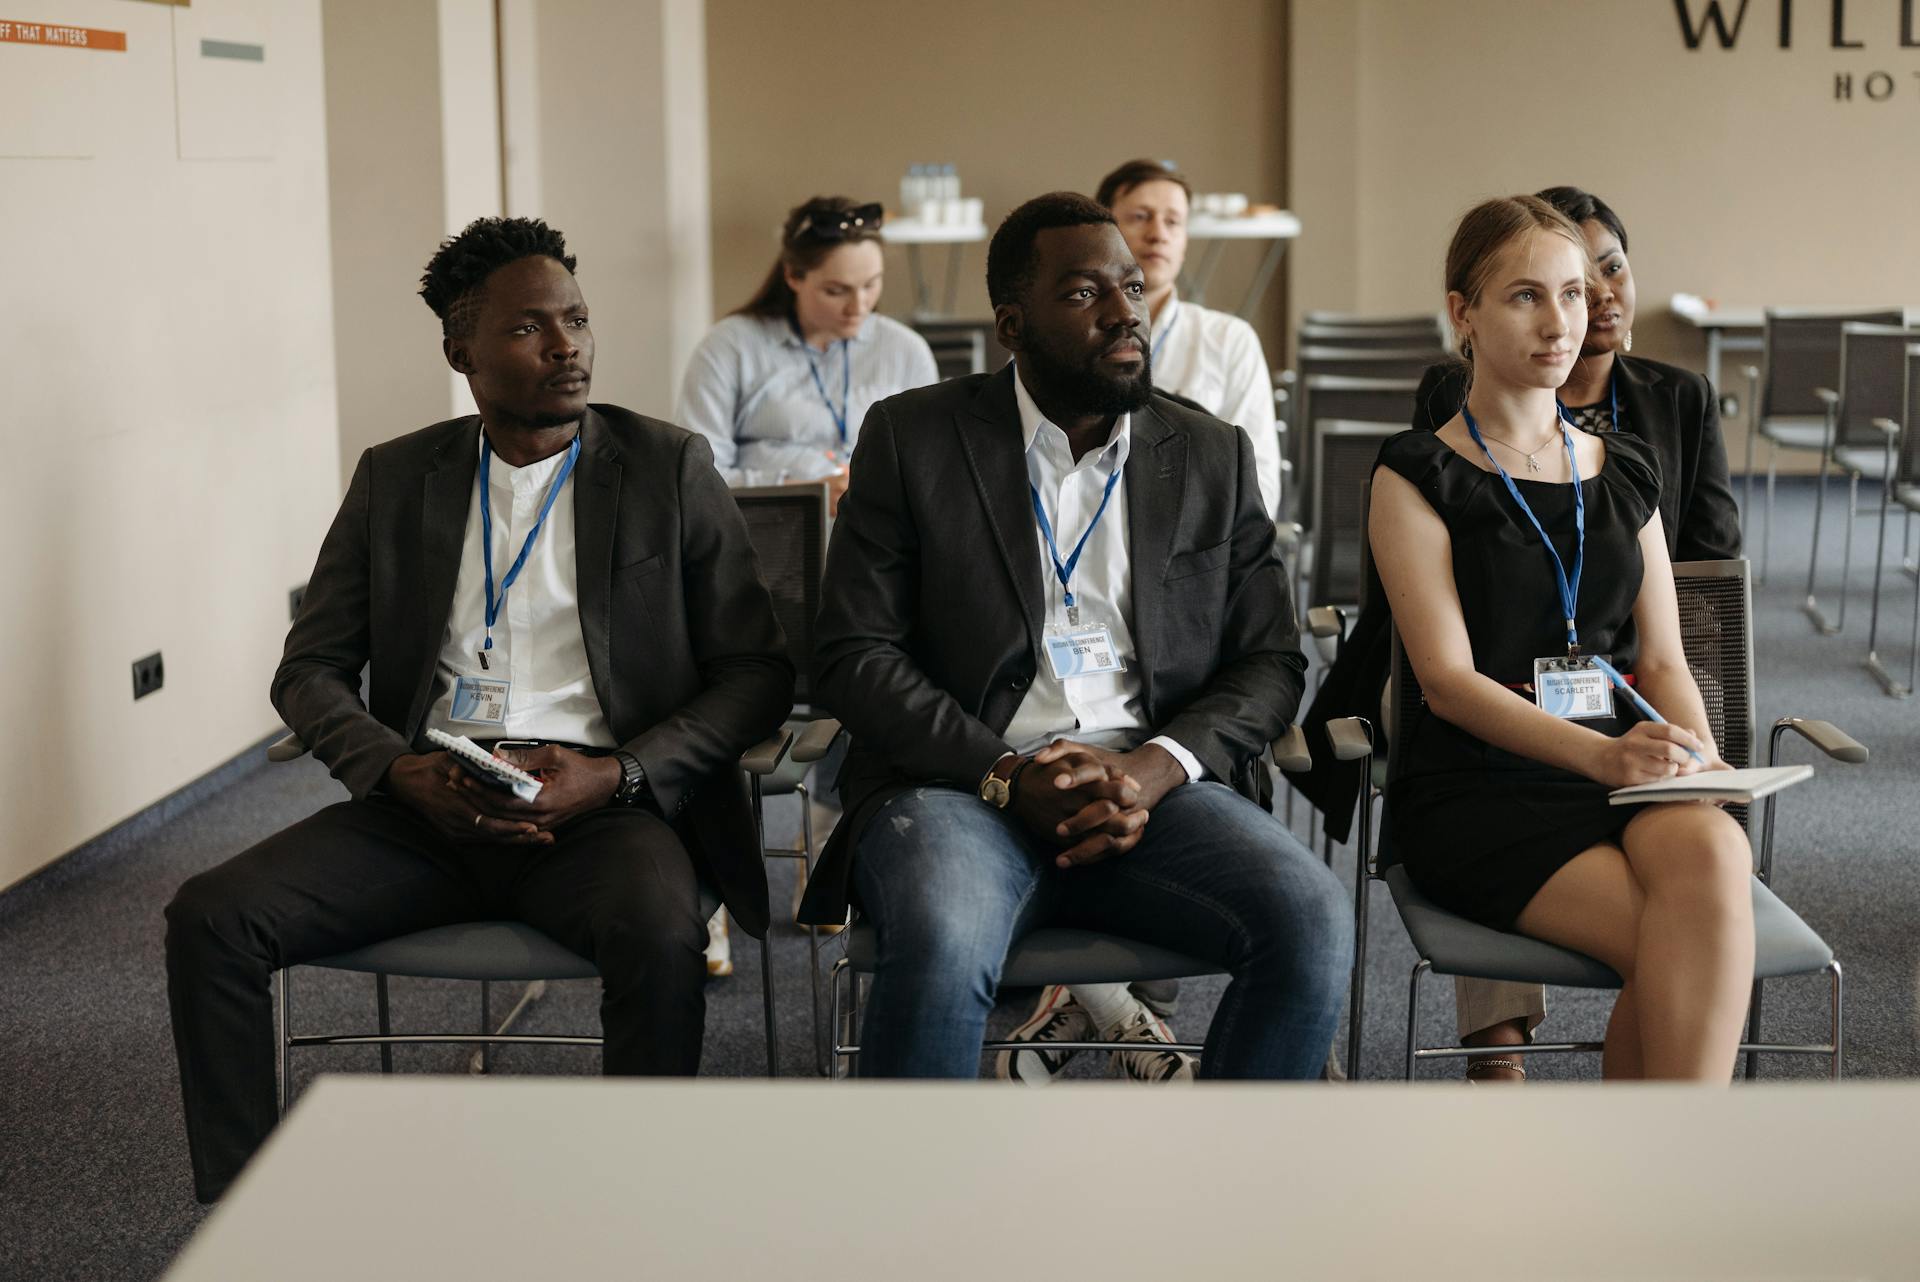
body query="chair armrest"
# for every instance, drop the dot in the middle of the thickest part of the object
(1287, 535)
(1827, 395)
(286, 748)
(1327, 621)
(1290, 750)
(1350, 737)
(816, 740)
(764, 758)
(1886, 427)
(1826, 736)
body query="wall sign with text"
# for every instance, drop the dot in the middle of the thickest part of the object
(1895, 36)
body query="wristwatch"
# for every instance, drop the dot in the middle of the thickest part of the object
(634, 790)
(997, 788)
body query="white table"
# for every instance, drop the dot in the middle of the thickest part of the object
(1728, 329)
(437, 1177)
(1278, 226)
(913, 233)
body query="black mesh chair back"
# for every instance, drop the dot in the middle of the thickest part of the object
(1354, 320)
(962, 346)
(1800, 352)
(1908, 472)
(1873, 360)
(788, 527)
(1344, 452)
(1716, 630)
(1423, 336)
(1354, 362)
(1340, 396)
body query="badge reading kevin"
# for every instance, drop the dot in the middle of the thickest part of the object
(481, 699)
(1571, 687)
(1084, 651)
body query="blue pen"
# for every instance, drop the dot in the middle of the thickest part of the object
(1633, 696)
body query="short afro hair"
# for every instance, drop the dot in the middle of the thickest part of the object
(1585, 207)
(455, 280)
(1010, 256)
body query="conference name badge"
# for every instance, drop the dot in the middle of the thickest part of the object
(481, 699)
(1083, 651)
(1572, 687)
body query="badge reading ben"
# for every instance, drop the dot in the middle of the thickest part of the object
(481, 699)
(1570, 686)
(1083, 651)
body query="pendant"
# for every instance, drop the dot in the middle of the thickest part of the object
(1533, 464)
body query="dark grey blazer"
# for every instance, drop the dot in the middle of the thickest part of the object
(931, 618)
(687, 658)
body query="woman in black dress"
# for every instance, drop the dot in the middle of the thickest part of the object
(1501, 805)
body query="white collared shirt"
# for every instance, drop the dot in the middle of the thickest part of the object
(1103, 709)
(1215, 359)
(537, 642)
(750, 390)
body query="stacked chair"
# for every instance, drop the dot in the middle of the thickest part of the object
(1902, 471)
(1715, 605)
(1800, 355)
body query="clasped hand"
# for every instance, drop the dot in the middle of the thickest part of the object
(463, 808)
(1092, 802)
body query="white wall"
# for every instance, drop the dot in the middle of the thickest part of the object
(166, 401)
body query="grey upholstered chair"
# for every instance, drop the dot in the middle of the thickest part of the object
(1902, 487)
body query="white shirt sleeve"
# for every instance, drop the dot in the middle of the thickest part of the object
(1248, 404)
(1188, 762)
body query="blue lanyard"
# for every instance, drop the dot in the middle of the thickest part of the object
(486, 530)
(1065, 571)
(1613, 400)
(846, 384)
(1155, 353)
(1569, 591)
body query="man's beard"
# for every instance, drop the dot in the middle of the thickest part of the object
(1091, 387)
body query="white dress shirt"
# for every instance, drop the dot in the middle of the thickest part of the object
(537, 642)
(1103, 709)
(750, 390)
(1215, 359)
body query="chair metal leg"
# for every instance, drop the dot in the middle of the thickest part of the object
(486, 1025)
(1811, 607)
(1357, 995)
(853, 1021)
(766, 942)
(1420, 969)
(1753, 433)
(386, 1021)
(1838, 1030)
(813, 932)
(1874, 666)
(1766, 520)
(1753, 1031)
(282, 1002)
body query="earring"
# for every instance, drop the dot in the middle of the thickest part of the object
(1626, 344)
(1466, 349)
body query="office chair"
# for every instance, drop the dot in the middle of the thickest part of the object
(1902, 486)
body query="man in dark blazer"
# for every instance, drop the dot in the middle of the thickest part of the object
(571, 576)
(1056, 627)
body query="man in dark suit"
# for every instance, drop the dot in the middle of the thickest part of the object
(619, 632)
(1056, 626)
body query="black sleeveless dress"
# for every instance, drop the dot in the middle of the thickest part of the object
(1478, 828)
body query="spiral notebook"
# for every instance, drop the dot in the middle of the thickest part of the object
(1734, 786)
(485, 766)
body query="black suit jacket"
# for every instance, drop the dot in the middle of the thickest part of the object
(1672, 409)
(932, 612)
(687, 658)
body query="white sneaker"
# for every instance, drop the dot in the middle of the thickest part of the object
(1057, 1018)
(719, 946)
(1147, 1065)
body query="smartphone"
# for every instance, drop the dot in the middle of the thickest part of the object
(519, 745)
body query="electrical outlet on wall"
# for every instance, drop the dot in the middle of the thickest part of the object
(149, 674)
(294, 597)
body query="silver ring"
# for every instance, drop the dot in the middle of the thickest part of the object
(476, 818)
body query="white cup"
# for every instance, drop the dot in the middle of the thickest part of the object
(973, 211)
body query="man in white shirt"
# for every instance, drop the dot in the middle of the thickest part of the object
(1056, 627)
(1212, 358)
(570, 576)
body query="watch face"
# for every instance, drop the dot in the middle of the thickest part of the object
(994, 791)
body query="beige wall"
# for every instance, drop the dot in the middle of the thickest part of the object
(1022, 97)
(1738, 174)
(168, 404)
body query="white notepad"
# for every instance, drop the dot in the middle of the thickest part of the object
(490, 769)
(1736, 786)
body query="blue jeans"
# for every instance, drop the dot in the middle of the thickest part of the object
(949, 883)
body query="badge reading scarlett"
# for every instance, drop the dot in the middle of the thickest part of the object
(1083, 651)
(1571, 687)
(481, 699)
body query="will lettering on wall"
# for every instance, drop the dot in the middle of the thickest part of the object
(1880, 43)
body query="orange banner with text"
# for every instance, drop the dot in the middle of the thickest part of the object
(43, 33)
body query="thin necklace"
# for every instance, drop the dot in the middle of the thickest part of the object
(1533, 463)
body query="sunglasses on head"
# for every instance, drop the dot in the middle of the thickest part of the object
(838, 224)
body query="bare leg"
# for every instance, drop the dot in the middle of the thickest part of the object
(1622, 1060)
(1493, 1068)
(1594, 905)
